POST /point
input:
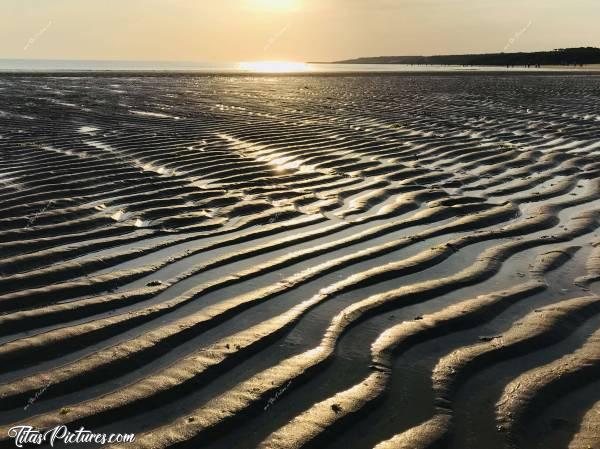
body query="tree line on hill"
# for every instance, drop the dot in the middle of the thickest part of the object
(561, 56)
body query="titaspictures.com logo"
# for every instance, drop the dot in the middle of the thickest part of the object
(26, 435)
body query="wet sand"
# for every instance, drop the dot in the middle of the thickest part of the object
(389, 261)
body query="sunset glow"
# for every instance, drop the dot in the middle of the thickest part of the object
(298, 30)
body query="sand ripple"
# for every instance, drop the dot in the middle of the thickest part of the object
(390, 261)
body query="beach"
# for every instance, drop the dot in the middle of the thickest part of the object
(376, 260)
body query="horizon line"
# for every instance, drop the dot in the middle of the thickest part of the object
(190, 61)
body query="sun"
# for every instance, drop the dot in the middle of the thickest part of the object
(275, 5)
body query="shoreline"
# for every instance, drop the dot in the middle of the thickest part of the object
(187, 73)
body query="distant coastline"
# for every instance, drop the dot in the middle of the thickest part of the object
(379, 65)
(559, 57)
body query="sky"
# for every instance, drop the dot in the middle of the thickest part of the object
(294, 30)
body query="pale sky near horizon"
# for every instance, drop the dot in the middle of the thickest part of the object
(299, 30)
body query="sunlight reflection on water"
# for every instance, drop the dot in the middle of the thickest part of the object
(274, 66)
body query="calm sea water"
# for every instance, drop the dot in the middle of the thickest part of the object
(39, 65)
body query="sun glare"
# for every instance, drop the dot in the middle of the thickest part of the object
(274, 67)
(275, 5)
